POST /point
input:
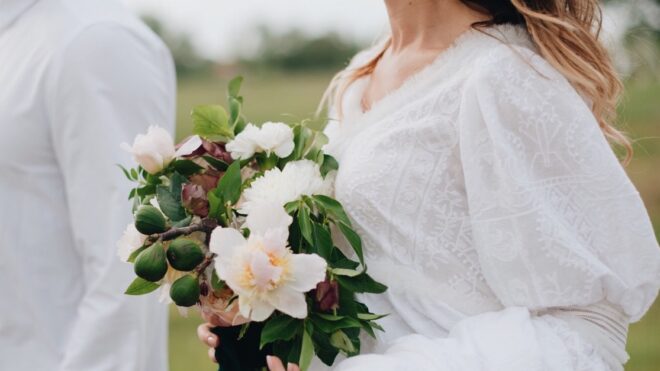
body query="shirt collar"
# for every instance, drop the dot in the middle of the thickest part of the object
(10, 10)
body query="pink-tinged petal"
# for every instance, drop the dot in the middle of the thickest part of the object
(267, 215)
(189, 146)
(275, 242)
(307, 270)
(288, 301)
(263, 272)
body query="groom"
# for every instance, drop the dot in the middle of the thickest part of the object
(77, 78)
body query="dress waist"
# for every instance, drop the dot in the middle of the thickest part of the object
(603, 324)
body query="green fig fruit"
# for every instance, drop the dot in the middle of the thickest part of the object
(151, 264)
(185, 291)
(149, 220)
(184, 254)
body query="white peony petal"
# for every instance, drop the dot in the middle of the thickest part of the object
(190, 146)
(225, 242)
(255, 310)
(267, 215)
(276, 137)
(263, 272)
(130, 241)
(245, 144)
(284, 149)
(288, 301)
(307, 270)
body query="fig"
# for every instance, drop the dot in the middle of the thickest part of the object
(149, 220)
(184, 254)
(185, 291)
(151, 263)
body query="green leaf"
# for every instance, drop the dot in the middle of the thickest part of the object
(305, 224)
(229, 187)
(134, 174)
(215, 205)
(279, 327)
(211, 122)
(333, 208)
(370, 316)
(329, 164)
(126, 173)
(217, 164)
(361, 283)
(353, 239)
(340, 340)
(322, 240)
(141, 286)
(186, 167)
(183, 222)
(345, 272)
(234, 86)
(169, 204)
(306, 352)
(329, 326)
(234, 111)
(132, 193)
(135, 253)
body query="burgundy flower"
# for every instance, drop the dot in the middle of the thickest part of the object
(327, 295)
(217, 150)
(193, 198)
(208, 180)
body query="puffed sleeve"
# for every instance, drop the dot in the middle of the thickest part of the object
(563, 238)
(108, 84)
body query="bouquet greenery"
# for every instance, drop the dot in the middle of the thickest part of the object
(242, 215)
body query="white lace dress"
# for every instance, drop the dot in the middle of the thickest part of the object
(492, 206)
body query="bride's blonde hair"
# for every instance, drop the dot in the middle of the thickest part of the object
(565, 32)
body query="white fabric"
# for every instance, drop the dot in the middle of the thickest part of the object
(78, 78)
(488, 198)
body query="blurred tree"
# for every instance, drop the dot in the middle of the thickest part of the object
(188, 62)
(295, 51)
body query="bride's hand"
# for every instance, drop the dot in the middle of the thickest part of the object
(275, 364)
(231, 318)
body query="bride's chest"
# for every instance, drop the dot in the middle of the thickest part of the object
(403, 155)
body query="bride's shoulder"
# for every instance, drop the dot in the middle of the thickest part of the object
(513, 60)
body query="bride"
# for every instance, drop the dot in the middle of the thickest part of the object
(475, 163)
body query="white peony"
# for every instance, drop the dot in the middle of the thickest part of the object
(154, 150)
(262, 270)
(298, 178)
(272, 137)
(130, 241)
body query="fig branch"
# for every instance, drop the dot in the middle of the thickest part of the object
(205, 225)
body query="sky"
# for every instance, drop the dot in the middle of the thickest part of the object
(221, 29)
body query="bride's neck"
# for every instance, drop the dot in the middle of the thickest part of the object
(428, 24)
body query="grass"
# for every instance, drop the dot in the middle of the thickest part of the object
(269, 95)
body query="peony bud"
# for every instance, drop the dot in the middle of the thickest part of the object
(193, 198)
(327, 295)
(218, 151)
(154, 150)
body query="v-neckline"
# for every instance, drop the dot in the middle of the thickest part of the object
(413, 77)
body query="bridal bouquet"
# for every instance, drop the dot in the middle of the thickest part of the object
(241, 215)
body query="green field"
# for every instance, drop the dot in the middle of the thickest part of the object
(268, 96)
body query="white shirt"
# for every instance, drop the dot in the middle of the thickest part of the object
(78, 78)
(491, 204)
